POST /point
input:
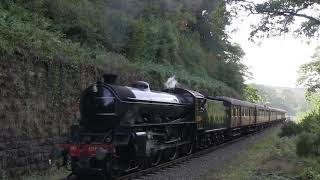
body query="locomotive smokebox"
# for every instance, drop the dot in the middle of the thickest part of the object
(110, 78)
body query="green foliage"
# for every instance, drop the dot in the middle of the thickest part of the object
(153, 40)
(310, 121)
(163, 38)
(193, 55)
(138, 40)
(311, 173)
(307, 144)
(289, 128)
(252, 94)
(23, 29)
(309, 74)
(308, 132)
(229, 73)
(211, 27)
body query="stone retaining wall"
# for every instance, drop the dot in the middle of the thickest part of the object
(38, 103)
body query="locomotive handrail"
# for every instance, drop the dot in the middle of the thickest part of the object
(133, 100)
(158, 124)
(212, 130)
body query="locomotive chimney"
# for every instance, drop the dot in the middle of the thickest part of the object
(110, 78)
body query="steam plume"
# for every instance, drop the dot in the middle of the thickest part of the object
(171, 82)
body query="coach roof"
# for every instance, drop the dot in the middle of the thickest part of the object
(233, 101)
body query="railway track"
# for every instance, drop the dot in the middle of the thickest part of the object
(155, 169)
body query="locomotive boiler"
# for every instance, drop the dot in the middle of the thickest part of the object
(124, 129)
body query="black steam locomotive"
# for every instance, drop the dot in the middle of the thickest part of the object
(124, 129)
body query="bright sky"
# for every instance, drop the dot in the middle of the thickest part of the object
(275, 61)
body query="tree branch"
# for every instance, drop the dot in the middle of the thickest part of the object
(288, 13)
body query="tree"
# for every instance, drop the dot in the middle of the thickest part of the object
(278, 17)
(137, 40)
(252, 94)
(309, 74)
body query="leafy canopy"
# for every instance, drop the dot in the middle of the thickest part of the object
(309, 74)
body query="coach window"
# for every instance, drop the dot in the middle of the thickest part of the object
(245, 112)
(232, 111)
(237, 112)
(265, 115)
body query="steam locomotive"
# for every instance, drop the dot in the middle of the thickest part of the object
(123, 129)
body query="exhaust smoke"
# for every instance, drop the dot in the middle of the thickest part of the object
(171, 83)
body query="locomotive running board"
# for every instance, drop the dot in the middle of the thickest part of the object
(158, 124)
(215, 130)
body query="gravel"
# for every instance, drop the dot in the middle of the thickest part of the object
(196, 168)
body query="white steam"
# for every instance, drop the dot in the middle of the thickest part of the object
(171, 82)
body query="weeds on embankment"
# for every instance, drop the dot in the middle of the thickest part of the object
(273, 157)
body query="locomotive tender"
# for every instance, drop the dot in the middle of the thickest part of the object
(124, 129)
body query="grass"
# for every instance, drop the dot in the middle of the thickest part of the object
(270, 158)
(52, 175)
